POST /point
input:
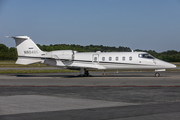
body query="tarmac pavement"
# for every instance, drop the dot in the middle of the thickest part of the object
(117, 96)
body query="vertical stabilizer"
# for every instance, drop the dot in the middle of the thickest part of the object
(28, 51)
(26, 47)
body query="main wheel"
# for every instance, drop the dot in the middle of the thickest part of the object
(86, 73)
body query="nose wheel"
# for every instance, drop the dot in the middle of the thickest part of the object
(157, 74)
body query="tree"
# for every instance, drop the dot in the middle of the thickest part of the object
(3, 48)
(11, 53)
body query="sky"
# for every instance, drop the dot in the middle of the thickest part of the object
(138, 24)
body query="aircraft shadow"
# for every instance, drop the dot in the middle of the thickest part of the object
(142, 74)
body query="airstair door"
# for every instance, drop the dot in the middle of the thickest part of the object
(95, 59)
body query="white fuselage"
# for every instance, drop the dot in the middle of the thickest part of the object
(108, 60)
(118, 61)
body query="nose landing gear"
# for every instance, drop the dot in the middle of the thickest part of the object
(157, 74)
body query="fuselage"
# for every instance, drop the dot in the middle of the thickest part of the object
(117, 61)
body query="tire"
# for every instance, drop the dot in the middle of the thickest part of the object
(157, 74)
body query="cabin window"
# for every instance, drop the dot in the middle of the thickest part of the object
(123, 58)
(110, 58)
(117, 58)
(130, 58)
(103, 58)
(95, 58)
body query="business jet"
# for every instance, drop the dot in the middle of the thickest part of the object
(29, 53)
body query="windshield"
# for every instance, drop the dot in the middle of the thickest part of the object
(146, 56)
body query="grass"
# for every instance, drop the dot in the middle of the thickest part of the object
(11, 64)
(35, 71)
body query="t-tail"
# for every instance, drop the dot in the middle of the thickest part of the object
(28, 51)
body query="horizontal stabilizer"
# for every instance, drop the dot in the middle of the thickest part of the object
(18, 37)
(27, 61)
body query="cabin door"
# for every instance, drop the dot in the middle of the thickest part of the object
(95, 59)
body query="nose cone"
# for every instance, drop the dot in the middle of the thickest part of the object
(169, 65)
(173, 66)
(164, 65)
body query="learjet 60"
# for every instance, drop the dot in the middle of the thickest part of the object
(29, 53)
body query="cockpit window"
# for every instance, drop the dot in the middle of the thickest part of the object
(146, 56)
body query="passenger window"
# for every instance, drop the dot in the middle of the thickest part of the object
(123, 58)
(103, 58)
(117, 58)
(95, 58)
(130, 58)
(110, 58)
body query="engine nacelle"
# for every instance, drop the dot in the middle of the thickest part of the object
(63, 54)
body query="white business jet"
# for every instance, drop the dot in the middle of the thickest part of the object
(29, 53)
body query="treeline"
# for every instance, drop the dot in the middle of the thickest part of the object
(79, 48)
(7, 53)
(11, 53)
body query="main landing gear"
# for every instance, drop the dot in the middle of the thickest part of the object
(84, 72)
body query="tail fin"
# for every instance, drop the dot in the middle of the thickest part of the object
(26, 47)
(28, 51)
